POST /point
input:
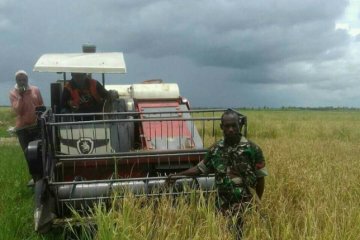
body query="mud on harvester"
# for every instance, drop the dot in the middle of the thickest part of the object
(134, 143)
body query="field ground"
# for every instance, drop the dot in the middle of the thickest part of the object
(312, 192)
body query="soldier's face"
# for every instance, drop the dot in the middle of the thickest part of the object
(230, 126)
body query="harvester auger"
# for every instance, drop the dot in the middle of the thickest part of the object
(147, 133)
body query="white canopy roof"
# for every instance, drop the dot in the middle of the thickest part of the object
(82, 63)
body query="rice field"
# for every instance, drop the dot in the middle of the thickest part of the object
(313, 189)
(312, 192)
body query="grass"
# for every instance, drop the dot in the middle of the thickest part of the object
(16, 200)
(312, 192)
(7, 119)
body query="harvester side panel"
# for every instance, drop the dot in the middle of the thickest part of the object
(167, 135)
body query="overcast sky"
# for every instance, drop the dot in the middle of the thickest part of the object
(222, 53)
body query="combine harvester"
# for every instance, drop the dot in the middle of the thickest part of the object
(138, 139)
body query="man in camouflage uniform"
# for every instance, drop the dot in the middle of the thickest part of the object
(239, 168)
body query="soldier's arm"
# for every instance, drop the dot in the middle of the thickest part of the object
(191, 172)
(203, 167)
(194, 171)
(261, 170)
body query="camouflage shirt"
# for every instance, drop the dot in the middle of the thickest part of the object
(236, 169)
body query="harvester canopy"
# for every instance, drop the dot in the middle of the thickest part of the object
(112, 62)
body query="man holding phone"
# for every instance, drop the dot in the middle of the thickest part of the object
(24, 99)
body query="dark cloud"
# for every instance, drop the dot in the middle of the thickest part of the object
(234, 34)
(253, 45)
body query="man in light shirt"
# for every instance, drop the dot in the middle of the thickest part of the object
(24, 99)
